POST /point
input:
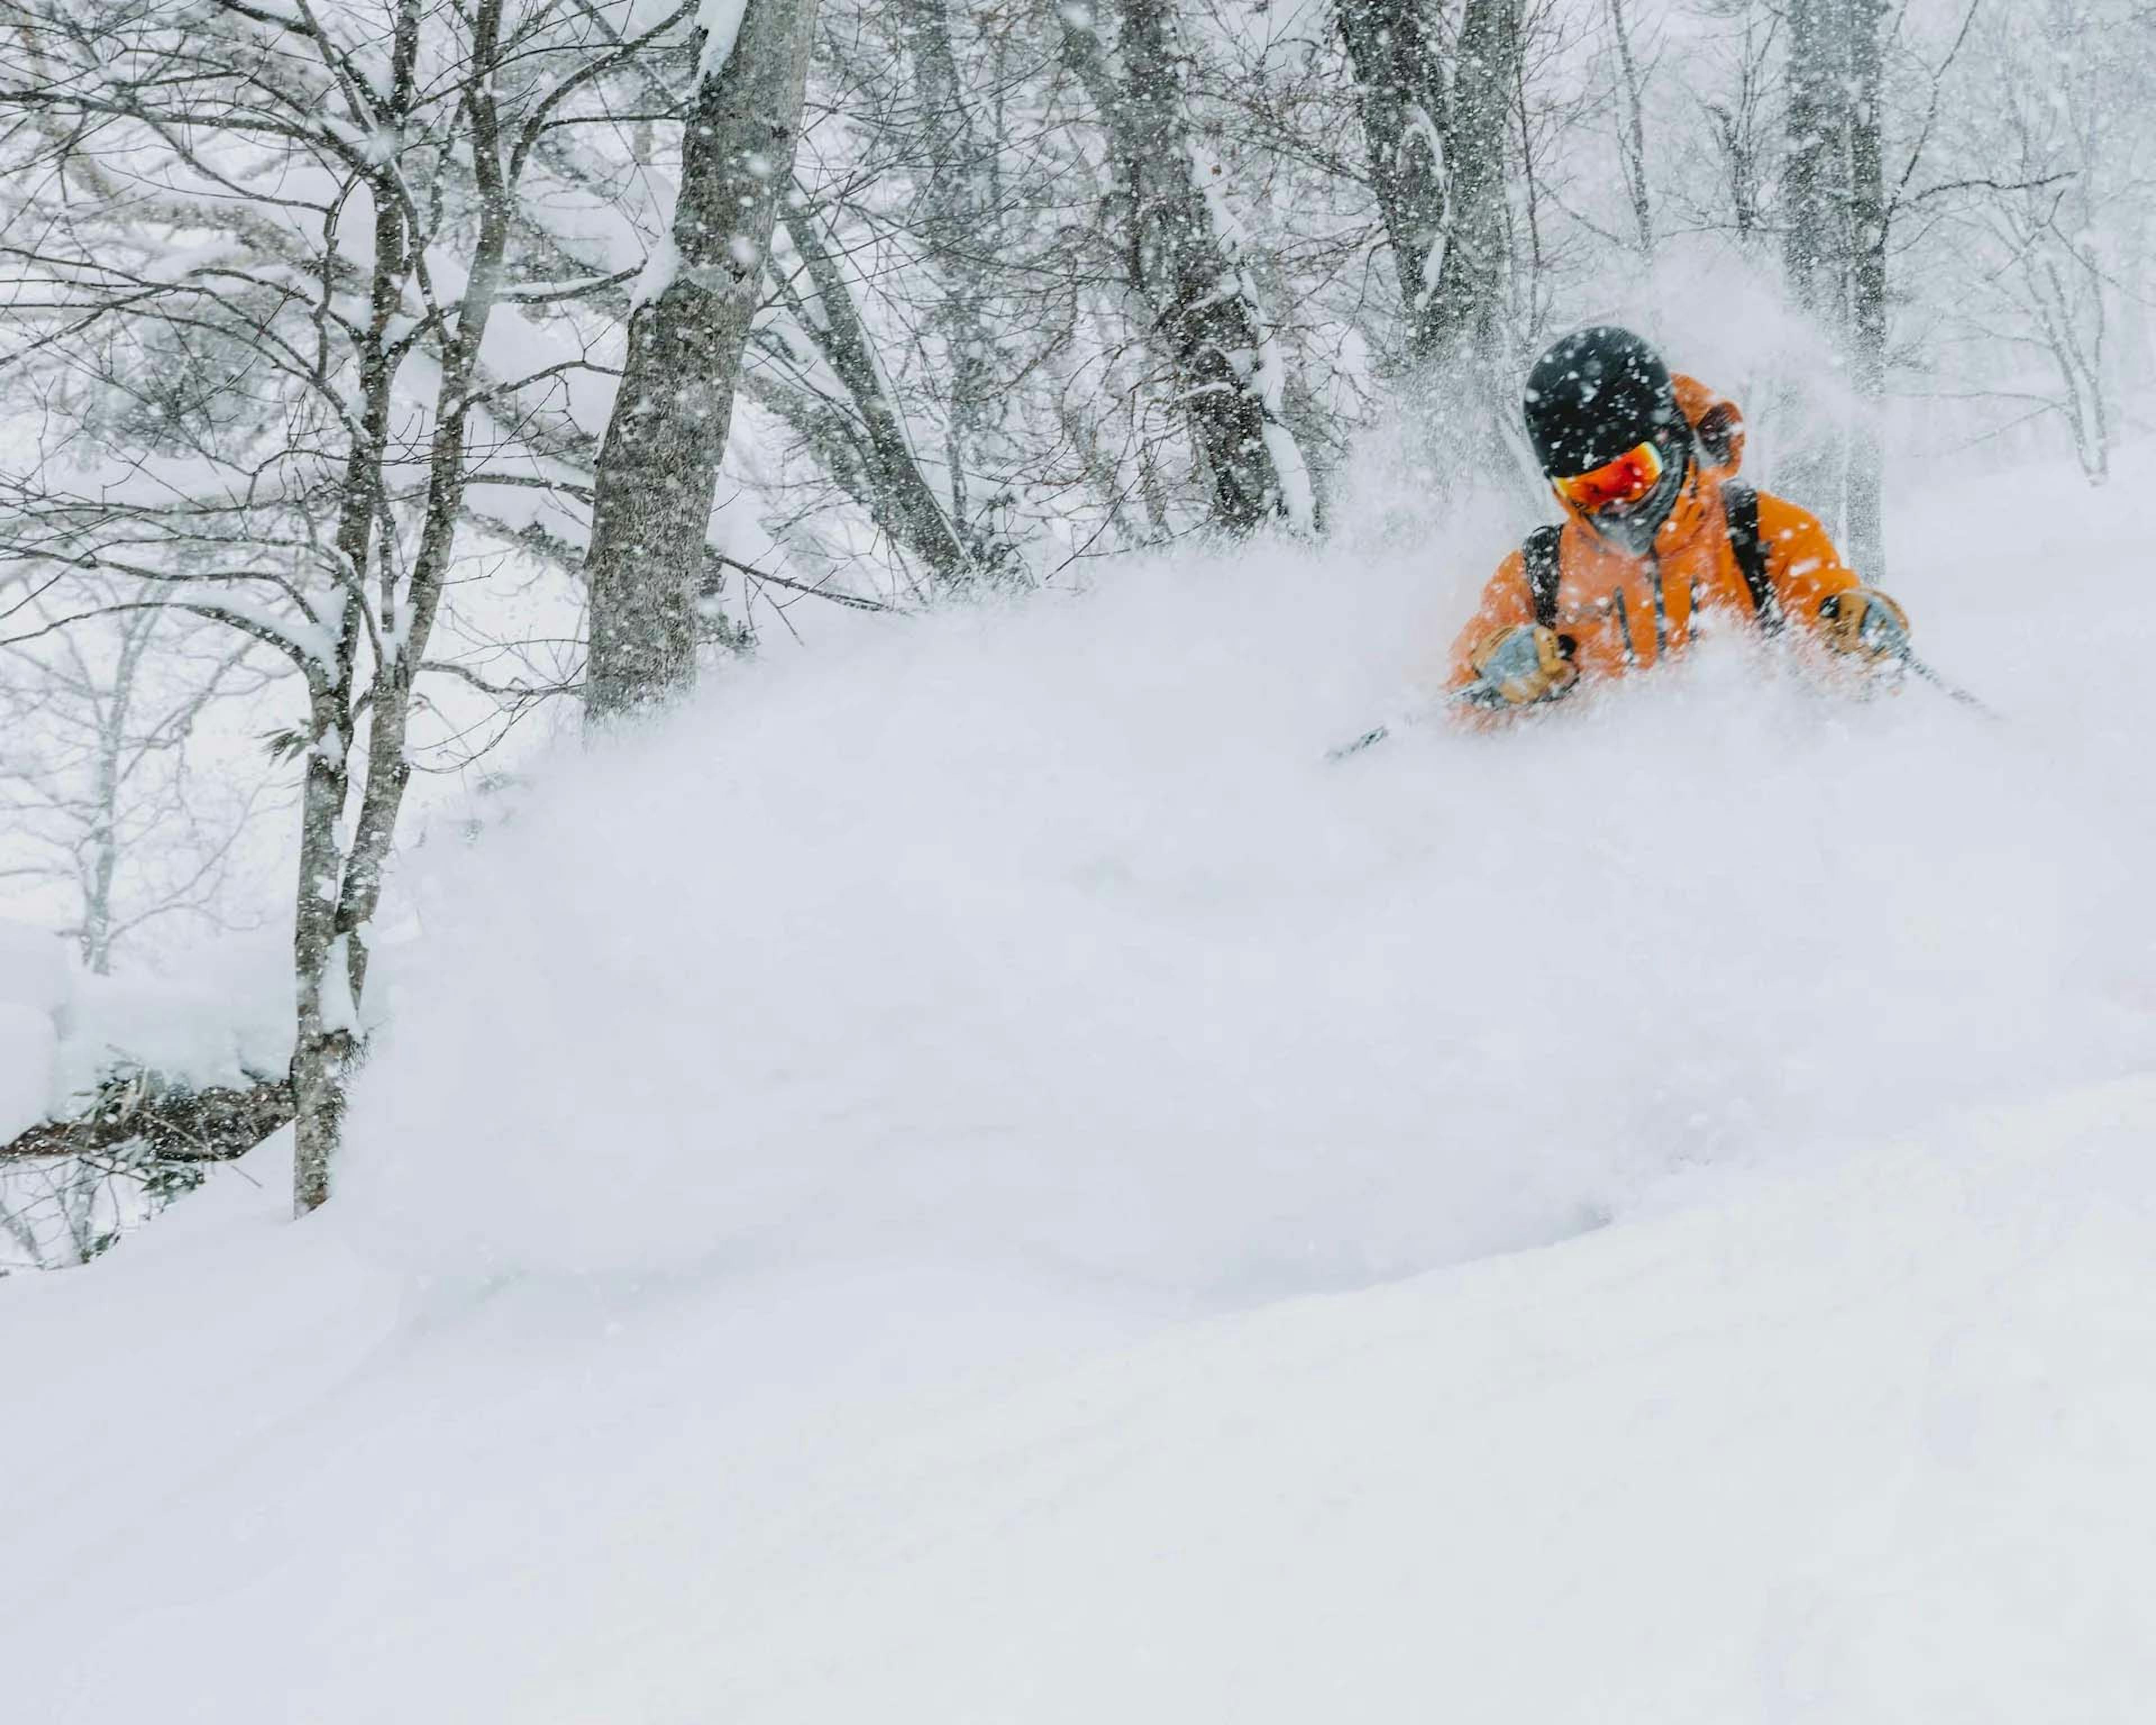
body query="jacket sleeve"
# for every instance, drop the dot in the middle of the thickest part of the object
(1802, 563)
(1505, 600)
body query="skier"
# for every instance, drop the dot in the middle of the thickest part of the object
(1661, 535)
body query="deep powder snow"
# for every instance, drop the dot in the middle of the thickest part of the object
(763, 1282)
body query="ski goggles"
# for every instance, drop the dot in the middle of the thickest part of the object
(1628, 478)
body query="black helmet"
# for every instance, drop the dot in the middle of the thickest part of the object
(1595, 394)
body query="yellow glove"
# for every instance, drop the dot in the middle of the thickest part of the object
(1863, 621)
(1521, 663)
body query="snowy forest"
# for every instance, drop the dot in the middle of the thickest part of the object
(683, 652)
(393, 387)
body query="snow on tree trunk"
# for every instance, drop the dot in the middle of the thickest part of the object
(1815, 242)
(1837, 220)
(318, 1049)
(1632, 130)
(1438, 151)
(1869, 221)
(341, 870)
(1183, 259)
(960, 217)
(1469, 295)
(659, 467)
(1399, 81)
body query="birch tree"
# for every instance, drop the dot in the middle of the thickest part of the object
(1839, 213)
(363, 177)
(2048, 237)
(103, 796)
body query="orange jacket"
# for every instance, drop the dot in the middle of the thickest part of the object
(1692, 571)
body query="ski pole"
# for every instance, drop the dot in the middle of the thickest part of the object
(1952, 691)
(1377, 733)
(1369, 739)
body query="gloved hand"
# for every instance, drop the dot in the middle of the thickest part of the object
(1520, 663)
(1863, 621)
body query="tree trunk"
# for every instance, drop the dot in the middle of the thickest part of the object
(318, 1051)
(1812, 243)
(658, 469)
(1468, 301)
(899, 497)
(1632, 132)
(1816, 250)
(318, 1047)
(1868, 224)
(961, 220)
(102, 864)
(1400, 85)
(1438, 156)
(2079, 358)
(1183, 261)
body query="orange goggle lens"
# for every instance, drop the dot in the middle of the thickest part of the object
(1626, 480)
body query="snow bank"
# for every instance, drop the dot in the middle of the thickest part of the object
(779, 1105)
(1861, 1439)
(1865, 1446)
(34, 1003)
(220, 1013)
(225, 1013)
(1049, 938)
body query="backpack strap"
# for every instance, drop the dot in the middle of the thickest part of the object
(1539, 551)
(1740, 503)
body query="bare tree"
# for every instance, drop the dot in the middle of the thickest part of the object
(1393, 47)
(960, 215)
(1870, 216)
(1471, 282)
(1437, 137)
(1816, 240)
(365, 178)
(1739, 126)
(2049, 195)
(659, 469)
(1855, 85)
(866, 440)
(101, 791)
(1185, 264)
(1838, 220)
(1632, 129)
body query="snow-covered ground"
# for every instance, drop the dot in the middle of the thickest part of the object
(975, 1178)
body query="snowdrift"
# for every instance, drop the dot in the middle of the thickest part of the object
(973, 1176)
(61, 1026)
(1863, 1442)
(1051, 937)
(1865, 1445)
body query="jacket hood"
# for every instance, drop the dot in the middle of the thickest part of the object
(1718, 429)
